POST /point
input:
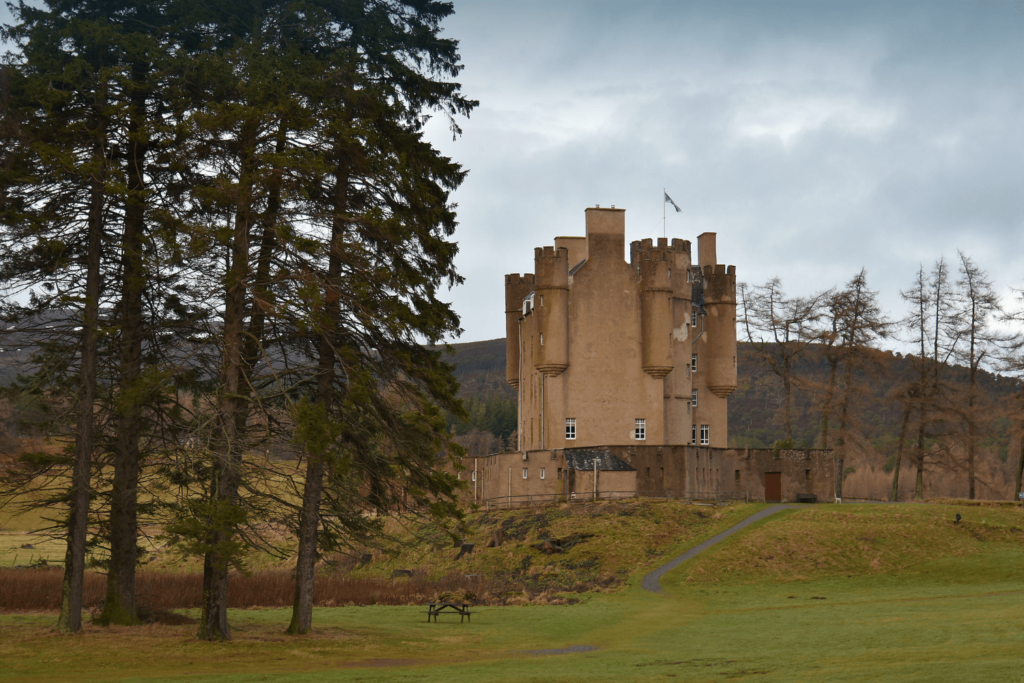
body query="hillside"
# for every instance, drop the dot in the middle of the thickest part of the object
(755, 416)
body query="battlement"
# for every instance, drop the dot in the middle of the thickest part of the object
(516, 288)
(516, 279)
(719, 270)
(552, 266)
(549, 252)
(719, 283)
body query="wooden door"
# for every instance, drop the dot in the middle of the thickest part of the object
(773, 486)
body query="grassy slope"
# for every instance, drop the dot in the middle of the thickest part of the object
(627, 537)
(953, 616)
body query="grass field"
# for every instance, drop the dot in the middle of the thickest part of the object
(858, 593)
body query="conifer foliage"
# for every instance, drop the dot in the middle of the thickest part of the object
(231, 221)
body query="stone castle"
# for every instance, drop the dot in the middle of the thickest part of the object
(623, 373)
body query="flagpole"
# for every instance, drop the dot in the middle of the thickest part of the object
(664, 193)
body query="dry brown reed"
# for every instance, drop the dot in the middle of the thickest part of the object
(32, 590)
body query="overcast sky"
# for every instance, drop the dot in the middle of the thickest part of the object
(815, 138)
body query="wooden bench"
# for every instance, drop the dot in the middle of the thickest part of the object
(435, 608)
(806, 498)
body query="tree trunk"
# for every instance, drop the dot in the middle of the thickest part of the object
(1020, 470)
(119, 606)
(843, 418)
(899, 454)
(787, 382)
(827, 405)
(213, 624)
(919, 485)
(309, 516)
(70, 619)
(305, 564)
(971, 425)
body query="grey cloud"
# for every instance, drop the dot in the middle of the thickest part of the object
(815, 138)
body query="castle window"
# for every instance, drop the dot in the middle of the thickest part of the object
(705, 435)
(693, 318)
(693, 438)
(559, 473)
(524, 472)
(474, 475)
(693, 400)
(640, 430)
(693, 362)
(541, 472)
(542, 339)
(570, 428)
(807, 475)
(737, 475)
(542, 300)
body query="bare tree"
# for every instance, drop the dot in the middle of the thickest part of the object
(975, 344)
(780, 328)
(1012, 363)
(859, 323)
(913, 395)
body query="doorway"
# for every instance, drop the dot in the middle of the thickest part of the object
(773, 486)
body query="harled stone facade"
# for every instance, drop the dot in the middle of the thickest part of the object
(623, 373)
(603, 351)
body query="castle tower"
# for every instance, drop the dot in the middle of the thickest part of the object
(551, 307)
(714, 346)
(603, 352)
(516, 290)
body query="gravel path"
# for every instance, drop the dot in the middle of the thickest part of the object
(651, 581)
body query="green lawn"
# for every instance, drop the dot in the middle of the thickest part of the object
(956, 615)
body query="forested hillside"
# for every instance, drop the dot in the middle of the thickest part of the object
(755, 419)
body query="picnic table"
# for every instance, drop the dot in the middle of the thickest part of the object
(435, 608)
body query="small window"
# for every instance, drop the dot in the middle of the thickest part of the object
(525, 470)
(693, 362)
(542, 300)
(648, 472)
(570, 428)
(541, 472)
(807, 475)
(693, 437)
(705, 435)
(640, 429)
(542, 339)
(693, 318)
(474, 476)
(559, 473)
(736, 476)
(693, 400)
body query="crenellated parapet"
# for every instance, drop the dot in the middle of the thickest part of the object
(677, 254)
(517, 288)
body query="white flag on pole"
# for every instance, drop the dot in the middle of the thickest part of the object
(669, 200)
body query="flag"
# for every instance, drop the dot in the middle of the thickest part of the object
(674, 205)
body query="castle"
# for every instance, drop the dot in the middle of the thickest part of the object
(623, 373)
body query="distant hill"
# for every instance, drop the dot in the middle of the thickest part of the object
(755, 409)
